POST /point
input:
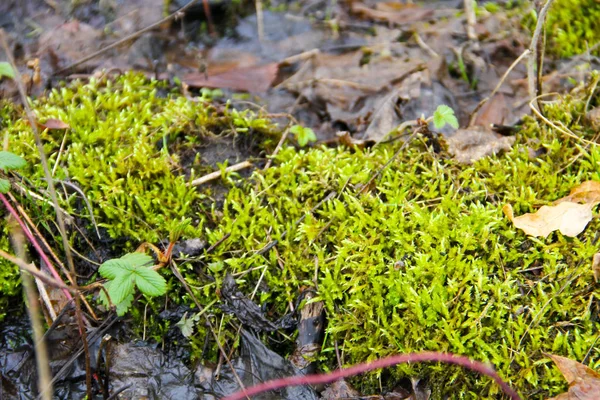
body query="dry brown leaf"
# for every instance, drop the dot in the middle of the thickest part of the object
(387, 14)
(588, 192)
(584, 382)
(470, 144)
(52, 123)
(596, 267)
(568, 218)
(250, 79)
(593, 116)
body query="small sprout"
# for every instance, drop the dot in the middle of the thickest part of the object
(303, 135)
(9, 161)
(444, 115)
(124, 275)
(6, 70)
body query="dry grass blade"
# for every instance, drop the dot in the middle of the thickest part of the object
(532, 81)
(59, 217)
(34, 312)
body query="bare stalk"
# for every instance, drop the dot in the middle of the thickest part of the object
(533, 47)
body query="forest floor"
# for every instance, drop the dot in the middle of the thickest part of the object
(232, 193)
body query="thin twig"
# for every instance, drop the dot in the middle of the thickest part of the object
(35, 272)
(278, 147)
(564, 130)
(471, 19)
(482, 102)
(33, 309)
(260, 20)
(533, 47)
(59, 217)
(134, 35)
(34, 242)
(215, 175)
(317, 379)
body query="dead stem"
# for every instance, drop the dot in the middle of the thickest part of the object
(532, 81)
(52, 190)
(482, 102)
(215, 175)
(34, 312)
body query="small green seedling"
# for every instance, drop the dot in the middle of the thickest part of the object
(124, 274)
(444, 115)
(6, 70)
(303, 135)
(9, 161)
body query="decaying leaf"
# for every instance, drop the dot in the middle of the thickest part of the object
(392, 14)
(570, 214)
(596, 267)
(568, 218)
(588, 192)
(584, 382)
(470, 144)
(52, 123)
(250, 79)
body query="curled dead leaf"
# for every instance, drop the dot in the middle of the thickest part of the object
(255, 79)
(470, 144)
(588, 192)
(52, 123)
(584, 382)
(568, 218)
(596, 267)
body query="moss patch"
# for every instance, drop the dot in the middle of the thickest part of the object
(423, 261)
(572, 26)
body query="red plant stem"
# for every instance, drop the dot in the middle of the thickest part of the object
(34, 242)
(316, 379)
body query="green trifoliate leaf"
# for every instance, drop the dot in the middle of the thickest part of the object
(186, 325)
(150, 282)
(6, 70)
(10, 160)
(121, 287)
(4, 186)
(137, 259)
(444, 115)
(303, 135)
(111, 268)
(124, 306)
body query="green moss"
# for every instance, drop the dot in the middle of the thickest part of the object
(424, 261)
(427, 260)
(122, 152)
(572, 26)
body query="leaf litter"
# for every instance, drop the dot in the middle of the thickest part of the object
(365, 85)
(569, 215)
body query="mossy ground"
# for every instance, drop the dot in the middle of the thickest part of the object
(423, 261)
(572, 26)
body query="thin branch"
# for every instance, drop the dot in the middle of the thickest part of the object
(278, 147)
(44, 375)
(318, 379)
(35, 272)
(533, 47)
(471, 19)
(52, 190)
(215, 175)
(34, 242)
(482, 102)
(134, 35)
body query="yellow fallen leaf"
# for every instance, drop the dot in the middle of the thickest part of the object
(567, 217)
(596, 267)
(588, 192)
(584, 382)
